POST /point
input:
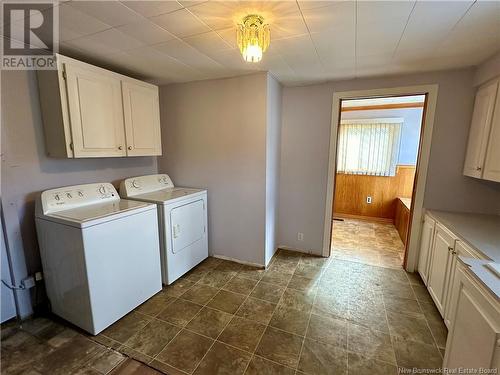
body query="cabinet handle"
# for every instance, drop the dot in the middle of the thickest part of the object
(130, 147)
(453, 252)
(478, 168)
(450, 248)
(120, 147)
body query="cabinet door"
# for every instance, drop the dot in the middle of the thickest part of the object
(461, 249)
(425, 248)
(96, 114)
(439, 271)
(492, 162)
(142, 119)
(480, 130)
(475, 329)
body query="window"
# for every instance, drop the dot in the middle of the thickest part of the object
(369, 146)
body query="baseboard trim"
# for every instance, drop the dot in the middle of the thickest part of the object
(310, 252)
(237, 261)
(364, 218)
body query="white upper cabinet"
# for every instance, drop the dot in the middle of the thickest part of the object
(93, 112)
(482, 146)
(492, 162)
(96, 115)
(142, 118)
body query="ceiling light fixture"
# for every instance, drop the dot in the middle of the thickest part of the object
(253, 37)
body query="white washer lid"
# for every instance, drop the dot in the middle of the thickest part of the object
(98, 213)
(165, 196)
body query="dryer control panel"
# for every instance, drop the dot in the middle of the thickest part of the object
(145, 184)
(77, 196)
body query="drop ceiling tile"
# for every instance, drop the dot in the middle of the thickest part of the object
(294, 46)
(152, 8)
(107, 41)
(147, 32)
(275, 64)
(386, 70)
(439, 17)
(476, 36)
(229, 36)
(208, 42)
(219, 14)
(294, 57)
(188, 4)
(300, 55)
(338, 18)
(288, 25)
(271, 10)
(74, 23)
(111, 12)
(334, 45)
(313, 4)
(181, 23)
(155, 63)
(380, 25)
(233, 60)
(70, 50)
(183, 52)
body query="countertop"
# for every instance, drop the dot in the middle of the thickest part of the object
(483, 274)
(406, 202)
(481, 232)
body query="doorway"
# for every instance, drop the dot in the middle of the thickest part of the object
(379, 152)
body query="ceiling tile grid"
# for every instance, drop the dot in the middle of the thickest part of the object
(311, 41)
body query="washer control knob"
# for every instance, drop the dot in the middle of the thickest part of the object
(69, 195)
(57, 197)
(136, 184)
(102, 189)
(80, 193)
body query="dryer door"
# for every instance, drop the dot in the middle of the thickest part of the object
(187, 225)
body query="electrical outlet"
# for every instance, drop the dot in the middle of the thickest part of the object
(300, 236)
(38, 276)
(369, 200)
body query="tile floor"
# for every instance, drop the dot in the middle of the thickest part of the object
(304, 315)
(368, 242)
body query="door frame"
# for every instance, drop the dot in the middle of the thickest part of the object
(415, 227)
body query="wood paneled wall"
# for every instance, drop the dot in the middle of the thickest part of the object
(351, 192)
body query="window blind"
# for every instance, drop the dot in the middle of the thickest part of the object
(369, 146)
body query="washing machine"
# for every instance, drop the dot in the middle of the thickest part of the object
(182, 216)
(100, 254)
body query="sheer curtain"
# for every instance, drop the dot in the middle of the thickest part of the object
(369, 146)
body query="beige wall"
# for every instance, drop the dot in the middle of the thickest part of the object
(214, 134)
(26, 170)
(273, 146)
(305, 144)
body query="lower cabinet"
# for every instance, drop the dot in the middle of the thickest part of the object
(443, 247)
(474, 335)
(461, 249)
(425, 248)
